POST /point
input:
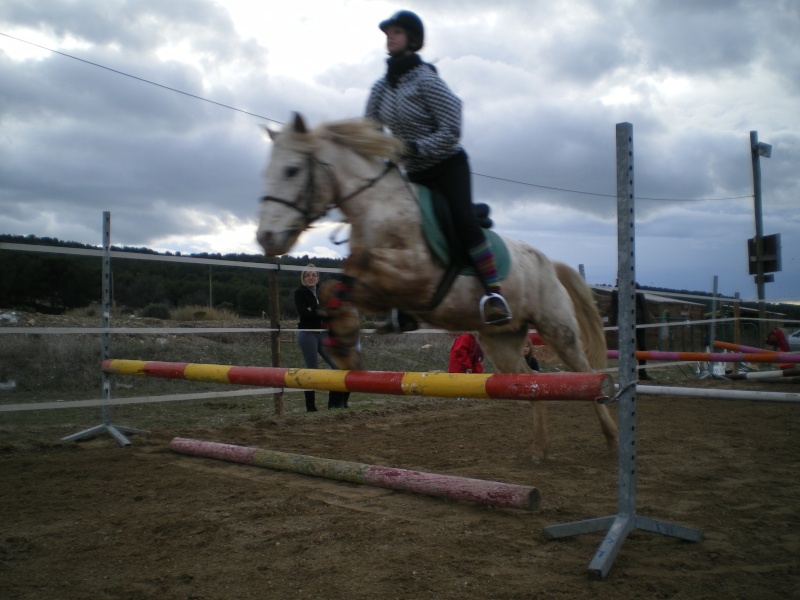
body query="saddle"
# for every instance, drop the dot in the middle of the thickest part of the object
(437, 227)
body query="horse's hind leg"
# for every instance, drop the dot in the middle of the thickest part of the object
(562, 335)
(540, 445)
(607, 425)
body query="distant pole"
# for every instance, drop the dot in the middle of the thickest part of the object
(762, 307)
(737, 322)
(712, 327)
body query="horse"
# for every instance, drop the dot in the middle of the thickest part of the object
(351, 164)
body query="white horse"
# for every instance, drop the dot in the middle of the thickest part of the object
(344, 164)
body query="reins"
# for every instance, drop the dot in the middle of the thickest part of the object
(338, 200)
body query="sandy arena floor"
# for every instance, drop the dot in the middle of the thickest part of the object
(92, 520)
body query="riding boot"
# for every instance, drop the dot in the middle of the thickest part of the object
(493, 307)
(398, 322)
(335, 400)
(310, 401)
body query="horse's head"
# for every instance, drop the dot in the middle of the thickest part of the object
(293, 198)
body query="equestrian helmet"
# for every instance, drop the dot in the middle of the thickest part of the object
(412, 25)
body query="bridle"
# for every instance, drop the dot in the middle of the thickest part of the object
(304, 202)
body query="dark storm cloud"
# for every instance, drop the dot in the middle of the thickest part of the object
(544, 84)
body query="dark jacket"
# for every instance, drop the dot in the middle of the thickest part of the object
(306, 303)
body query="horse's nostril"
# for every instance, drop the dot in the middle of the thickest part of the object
(264, 238)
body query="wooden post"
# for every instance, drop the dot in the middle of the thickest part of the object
(275, 336)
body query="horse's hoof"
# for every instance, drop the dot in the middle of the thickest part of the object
(538, 455)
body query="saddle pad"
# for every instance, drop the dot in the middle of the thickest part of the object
(438, 244)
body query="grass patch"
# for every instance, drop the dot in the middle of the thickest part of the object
(53, 368)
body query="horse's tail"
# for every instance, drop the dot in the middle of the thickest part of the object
(590, 324)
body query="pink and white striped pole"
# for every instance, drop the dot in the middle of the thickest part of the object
(494, 493)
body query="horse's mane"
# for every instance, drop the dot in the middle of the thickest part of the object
(364, 137)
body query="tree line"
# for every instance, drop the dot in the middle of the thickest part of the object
(51, 283)
(55, 283)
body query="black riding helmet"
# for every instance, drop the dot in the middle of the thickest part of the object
(411, 23)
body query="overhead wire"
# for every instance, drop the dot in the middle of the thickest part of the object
(514, 181)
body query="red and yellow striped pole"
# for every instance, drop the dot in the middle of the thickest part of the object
(498, 386)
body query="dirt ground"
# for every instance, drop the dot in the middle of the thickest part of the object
(93, 520)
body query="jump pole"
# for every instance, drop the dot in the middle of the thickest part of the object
(493, 493)
(764, 375)
(497, 386)
(741, 348)
(713, 394)
(753, 357)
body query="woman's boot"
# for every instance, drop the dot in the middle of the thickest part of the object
(493, 307)
(310, 401)
(335, 400)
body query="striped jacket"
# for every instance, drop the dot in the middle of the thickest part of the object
(422, 110)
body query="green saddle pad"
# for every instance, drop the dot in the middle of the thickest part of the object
(438, 244)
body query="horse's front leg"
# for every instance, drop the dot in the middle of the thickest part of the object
(343, 324)
(540, 446)
(505, 351)
(390, 278)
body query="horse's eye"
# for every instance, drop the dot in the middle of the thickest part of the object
(291, 172)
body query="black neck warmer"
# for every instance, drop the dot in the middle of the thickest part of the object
(397, 66)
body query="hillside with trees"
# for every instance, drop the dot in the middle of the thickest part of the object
(51, 283)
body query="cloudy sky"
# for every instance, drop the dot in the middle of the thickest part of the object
(544, 84)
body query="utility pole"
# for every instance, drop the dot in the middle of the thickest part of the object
(757, 150)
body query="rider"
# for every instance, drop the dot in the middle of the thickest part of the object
(416, 105)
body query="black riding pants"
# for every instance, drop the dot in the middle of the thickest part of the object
(452, 179)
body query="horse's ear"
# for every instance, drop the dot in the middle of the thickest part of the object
(299, 124)
(272, 134)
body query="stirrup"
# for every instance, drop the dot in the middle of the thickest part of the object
(494, 309)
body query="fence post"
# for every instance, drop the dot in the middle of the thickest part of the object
(626, 520)
(115, 431)
(275, 334)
